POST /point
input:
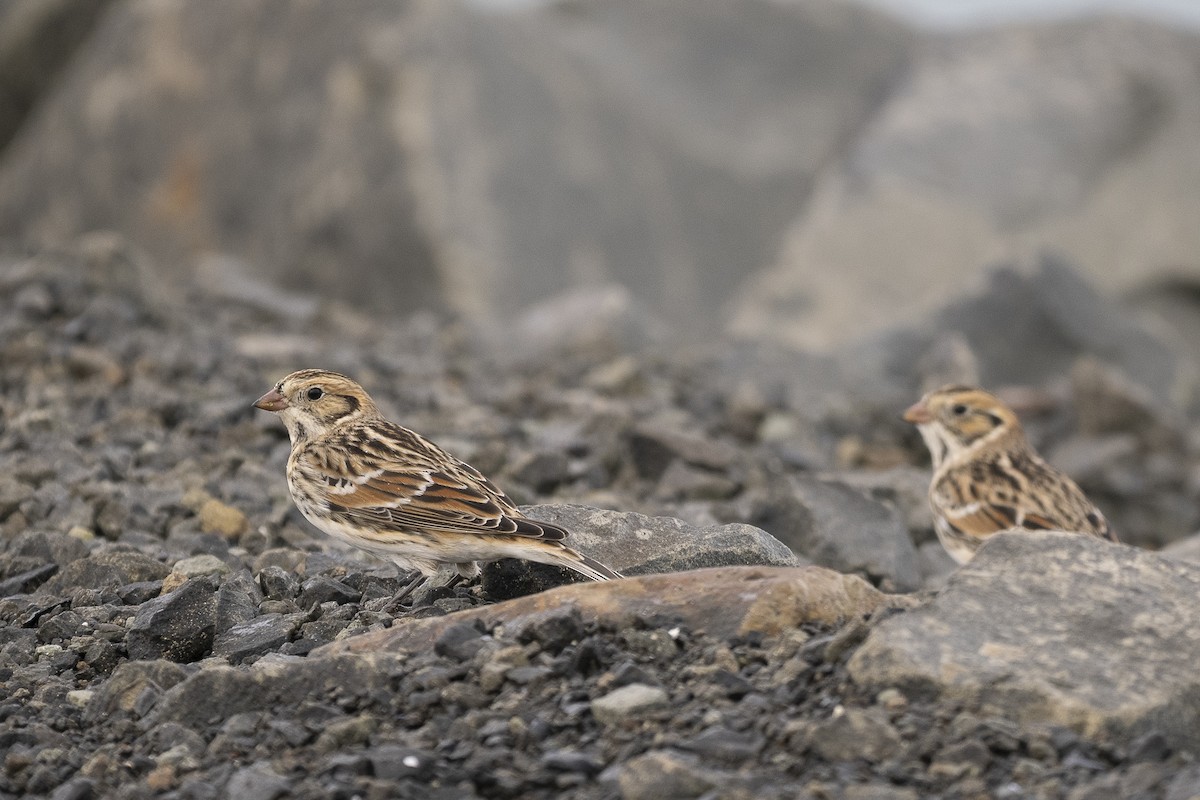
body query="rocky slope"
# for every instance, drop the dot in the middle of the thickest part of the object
(170, 627)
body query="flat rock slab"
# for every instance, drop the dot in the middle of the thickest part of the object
(639, 544)
(1055, 628)
(635, 544)
(723, 601)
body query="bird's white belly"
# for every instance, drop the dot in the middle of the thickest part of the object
(424, 551)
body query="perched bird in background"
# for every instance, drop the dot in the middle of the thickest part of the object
(986, 476)
(382, 488)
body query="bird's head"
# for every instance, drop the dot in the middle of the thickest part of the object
(958, 421)
(312, 402)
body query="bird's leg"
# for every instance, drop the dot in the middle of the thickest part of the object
(462, 573)
(455, 580)
(467, 570)
(417, 579)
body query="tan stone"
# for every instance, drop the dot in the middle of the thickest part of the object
(161, 778)
(723, 601)
(217, 517)
(173, 581)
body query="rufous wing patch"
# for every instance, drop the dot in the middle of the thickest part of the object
(981, 519)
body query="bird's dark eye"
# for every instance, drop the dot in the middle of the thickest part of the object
(959, 410)
(315, 393)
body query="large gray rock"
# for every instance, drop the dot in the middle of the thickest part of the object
(1079, 136)
(451, 154)
(1184, 550)
(642, 545)
(1054, 628)
(840, 527)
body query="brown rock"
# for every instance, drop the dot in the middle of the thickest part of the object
(723, 601)
(173, 581)
(217, 517)
(664, 775)
(162, 778)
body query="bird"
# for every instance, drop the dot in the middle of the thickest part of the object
(385, 489)
(987, 478)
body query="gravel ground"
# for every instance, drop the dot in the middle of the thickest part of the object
(161, 595)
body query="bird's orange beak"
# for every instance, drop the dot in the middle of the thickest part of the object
(271, 401)
(918, 414)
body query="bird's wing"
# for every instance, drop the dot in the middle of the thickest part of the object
(401, 481)
(1015, 492)
(978, 519)
(1059, 503)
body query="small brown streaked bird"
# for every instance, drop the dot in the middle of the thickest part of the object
(987, 478)
(369, 482)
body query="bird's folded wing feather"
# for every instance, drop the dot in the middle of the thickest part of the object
(973, 510)
(453, 497)
(979, 519)
(972, 515)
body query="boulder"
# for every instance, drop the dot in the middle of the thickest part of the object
(1055, 628)
(1078, 135)
(1184, 550)
(454, 155)
(633, 544)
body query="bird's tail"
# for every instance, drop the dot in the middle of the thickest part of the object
(589, 567)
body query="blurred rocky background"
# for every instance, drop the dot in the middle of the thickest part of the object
(806, 172)
(669, 270)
